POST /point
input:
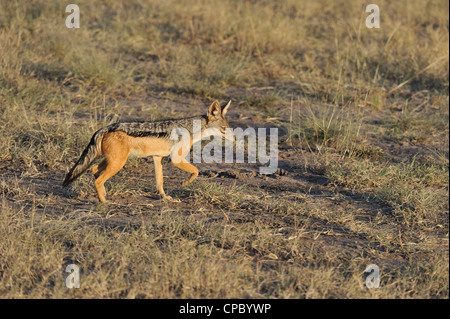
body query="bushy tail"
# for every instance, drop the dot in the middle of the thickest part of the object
(90, 153)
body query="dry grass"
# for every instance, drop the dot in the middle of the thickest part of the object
(363, 116)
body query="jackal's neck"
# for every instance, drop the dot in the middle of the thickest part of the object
(192, 124)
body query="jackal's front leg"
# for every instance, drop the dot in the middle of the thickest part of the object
(157, 160)
(188, 168)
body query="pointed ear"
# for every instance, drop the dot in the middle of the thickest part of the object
(225, 109)
(214, 111)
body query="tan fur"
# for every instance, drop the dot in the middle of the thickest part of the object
(117, 146)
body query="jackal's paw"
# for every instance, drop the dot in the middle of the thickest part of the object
(185, 183)
(167, 198)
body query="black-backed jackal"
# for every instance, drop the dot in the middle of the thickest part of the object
(117, 141)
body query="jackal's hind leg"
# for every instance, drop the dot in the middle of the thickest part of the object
(111, 169)
(98, 169)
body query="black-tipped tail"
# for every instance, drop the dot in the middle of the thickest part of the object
(90, 154)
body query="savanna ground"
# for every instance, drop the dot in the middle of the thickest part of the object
(363, 149)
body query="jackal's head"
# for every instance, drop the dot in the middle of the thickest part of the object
(215, 120)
